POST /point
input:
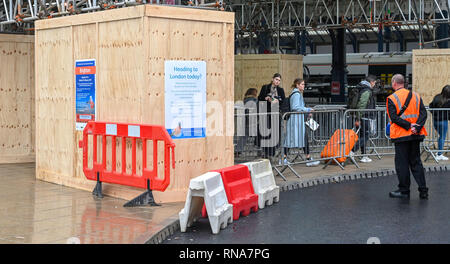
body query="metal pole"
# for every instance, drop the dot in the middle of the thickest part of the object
(337, 12)
(436, 41)
(278, 26)
(250, 41)
(409, 9)
(242, 15)
(11, 15)
(304, 13)
(6, 11)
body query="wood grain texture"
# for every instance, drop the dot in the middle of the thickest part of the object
(55, 102)
(256, 70)
(430, 72)
(16, 98)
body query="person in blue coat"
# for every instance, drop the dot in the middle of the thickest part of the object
(296, 133)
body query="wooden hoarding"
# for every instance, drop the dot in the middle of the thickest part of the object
(16, 98)
(130, 47)
(256, 70)
(430, 72)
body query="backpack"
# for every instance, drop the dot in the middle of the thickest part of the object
(353, 97)
(287, 105)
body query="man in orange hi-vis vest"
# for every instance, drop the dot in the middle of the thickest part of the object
(408, 115)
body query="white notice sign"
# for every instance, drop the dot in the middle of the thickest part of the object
(185, 98)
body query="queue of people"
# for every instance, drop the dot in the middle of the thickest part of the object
(272, 99)
(405, 109)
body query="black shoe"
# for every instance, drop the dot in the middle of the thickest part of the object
(423, 195)
(399, 194)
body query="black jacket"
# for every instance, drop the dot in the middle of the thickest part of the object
(405, 124)
(440, 115)
(266, 90)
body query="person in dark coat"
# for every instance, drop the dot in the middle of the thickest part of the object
(250, 109)
(441, 117)
(270, 98)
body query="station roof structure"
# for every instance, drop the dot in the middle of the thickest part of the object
(409, 20)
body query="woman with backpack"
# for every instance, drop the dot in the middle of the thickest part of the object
(296, 133)
(441, 117)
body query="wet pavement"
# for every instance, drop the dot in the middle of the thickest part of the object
(33, 211)
(346, 212)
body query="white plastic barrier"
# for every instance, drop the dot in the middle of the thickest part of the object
(263, 182)
(207, 188)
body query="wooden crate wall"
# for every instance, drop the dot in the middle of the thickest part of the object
(256, 70)
(130, 46)
(16, 98)
(430, 72)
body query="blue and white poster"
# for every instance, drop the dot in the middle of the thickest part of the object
(185, 99)
(85, 71)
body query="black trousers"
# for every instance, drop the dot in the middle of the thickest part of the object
(364, 131)
(407, 157)
(272, 134)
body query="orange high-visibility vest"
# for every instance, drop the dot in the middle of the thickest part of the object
(411, 113)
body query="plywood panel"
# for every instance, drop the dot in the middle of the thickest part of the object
(33, 98)
(430, 72)
(84, 47)
(188, 14)
(121, 67)
(291, 69)
(55, 103)
(254, 71)
(228, 60)
(16, 98)
(157, 50)
(255, 74)
(89, 18)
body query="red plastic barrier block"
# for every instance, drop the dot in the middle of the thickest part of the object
(239, 189)
(204, 213)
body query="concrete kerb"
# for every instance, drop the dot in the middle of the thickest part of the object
(174, 225)
(165, 232)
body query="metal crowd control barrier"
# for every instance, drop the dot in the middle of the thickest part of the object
(256, 134)
(373, 140)
(437, 142)
(252, 130)
(307, 134)
(246, 133)
(146, 179)
(371, 128)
